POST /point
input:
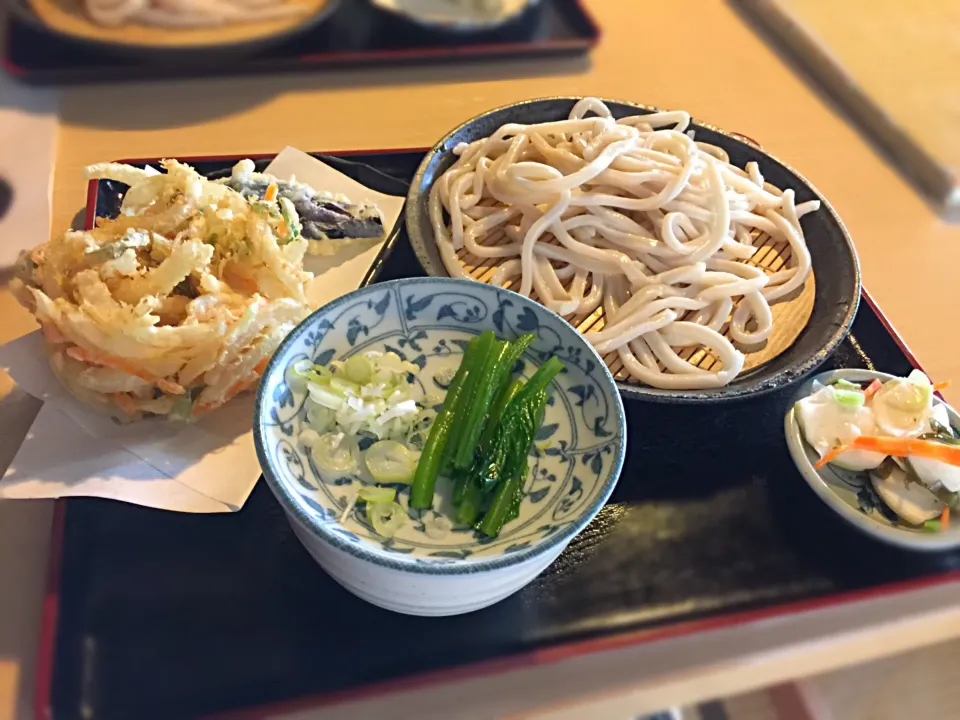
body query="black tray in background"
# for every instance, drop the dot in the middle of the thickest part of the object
(357, 34)
(161, 615)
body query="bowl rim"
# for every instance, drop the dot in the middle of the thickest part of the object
(24, 11)
(788, 376)
(421, 565)
(463, 25)
(796, 444)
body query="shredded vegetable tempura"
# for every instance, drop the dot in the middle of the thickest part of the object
(173, 307)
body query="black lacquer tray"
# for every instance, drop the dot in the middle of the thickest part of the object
(355, 35)
(152, 614)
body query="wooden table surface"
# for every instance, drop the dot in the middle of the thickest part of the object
(698, 55)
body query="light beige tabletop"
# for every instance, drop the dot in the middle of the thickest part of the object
(697, 55)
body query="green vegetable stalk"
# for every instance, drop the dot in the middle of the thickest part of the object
(431, 458)
(504, 466)
(474, 415)
(484, 432)
(478, 416)
(506, 394)
(509, 490)
(484, 346)
(468, 509)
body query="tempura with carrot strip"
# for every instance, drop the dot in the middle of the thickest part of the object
(173, 307)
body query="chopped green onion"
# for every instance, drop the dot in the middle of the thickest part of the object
(346, 388)
(390, 462)
(325, 396)
(301, 368)
(333, 455)
(371, 393)
(289, 214)
(377, 494)
(358, 369)
(319, 418)
(842, 384)
(932, 526)
(386, 517)
(849, 398)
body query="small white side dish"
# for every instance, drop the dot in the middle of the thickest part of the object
(851, 494)
(457, 15)
(573, 466)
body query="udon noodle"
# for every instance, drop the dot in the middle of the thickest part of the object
(636, 217)
(188, 13)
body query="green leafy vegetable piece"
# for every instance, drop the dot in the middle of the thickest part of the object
(483, 346)
(434, 450)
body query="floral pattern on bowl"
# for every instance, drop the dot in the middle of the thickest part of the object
(575, 461)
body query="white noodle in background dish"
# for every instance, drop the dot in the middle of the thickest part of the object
(189, 13)
(634, 217)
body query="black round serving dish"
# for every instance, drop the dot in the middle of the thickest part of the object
(835, 264)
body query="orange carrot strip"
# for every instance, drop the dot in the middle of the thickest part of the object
(271, 194)
(234, 390)
(261, 366)
(199, 410)
(831, 456)
(898, 447)
(115, 363)
(941, 385)
(170, 387)
(872, 389)
(240, 387)
(125, 403)
(95, 358)
(945, 518)
(236, 280)
(52, 334)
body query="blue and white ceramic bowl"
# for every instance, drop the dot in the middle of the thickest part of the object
(425, 569)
